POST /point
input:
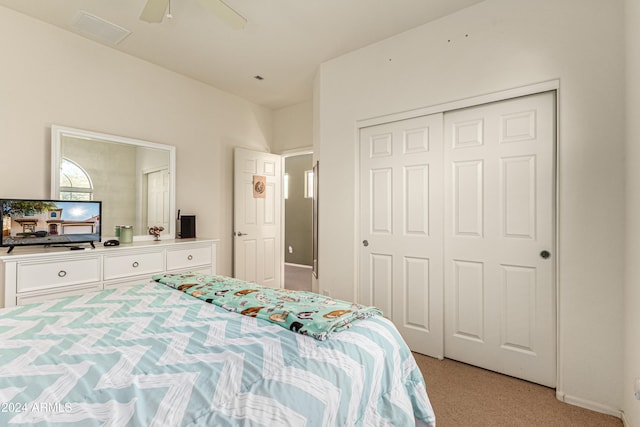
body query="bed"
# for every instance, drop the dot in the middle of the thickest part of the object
(152, 355)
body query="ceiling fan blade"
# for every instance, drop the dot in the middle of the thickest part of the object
(224, 12)
(154, 10)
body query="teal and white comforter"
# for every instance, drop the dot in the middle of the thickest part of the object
(148, 355)
(306, 313)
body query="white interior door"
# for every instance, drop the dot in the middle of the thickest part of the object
(401, 257)
(158, 198)
(499, 227)
(257, 239)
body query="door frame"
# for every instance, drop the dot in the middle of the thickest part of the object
(546, 86)
(284, 155)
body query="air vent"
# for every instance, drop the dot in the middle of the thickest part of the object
(98, 28)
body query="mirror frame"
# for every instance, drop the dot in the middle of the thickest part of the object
(57, 132)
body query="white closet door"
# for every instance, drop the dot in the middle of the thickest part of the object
(401, 208)
(499, 216)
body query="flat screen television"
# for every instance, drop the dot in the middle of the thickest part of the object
(50, 222)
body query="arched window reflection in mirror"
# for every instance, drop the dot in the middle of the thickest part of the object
(75, 182)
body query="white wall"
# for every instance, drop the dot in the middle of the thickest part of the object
(51, 76)
(493, 46)
(293, 127)
(632, 285)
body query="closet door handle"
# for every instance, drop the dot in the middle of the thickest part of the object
(365, 243)
(545, 254)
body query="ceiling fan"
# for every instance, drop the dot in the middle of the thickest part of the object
(154, 12)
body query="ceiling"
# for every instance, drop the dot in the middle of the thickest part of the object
(284, 41)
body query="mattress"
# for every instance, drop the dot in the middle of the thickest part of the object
(150, 355)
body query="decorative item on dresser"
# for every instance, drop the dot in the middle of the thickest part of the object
(155, 232)
(38, 274)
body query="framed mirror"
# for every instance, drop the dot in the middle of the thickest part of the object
(134, 179)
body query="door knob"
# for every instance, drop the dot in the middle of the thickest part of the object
(240, 234)
(365, 243)
(545, 254)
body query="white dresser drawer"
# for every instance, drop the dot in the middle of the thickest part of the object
(133, 264)
(32, 297)
(128, 281)
(32, 276)
(185, 258)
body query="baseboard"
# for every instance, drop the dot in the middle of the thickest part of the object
(297, 265)
(624, 420)
(588, 404)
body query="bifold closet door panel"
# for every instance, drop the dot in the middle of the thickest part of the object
(499, 237)
(400, 234)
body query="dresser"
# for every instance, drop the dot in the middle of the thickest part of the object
(37, 274)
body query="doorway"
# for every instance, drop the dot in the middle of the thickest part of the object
(298, 197)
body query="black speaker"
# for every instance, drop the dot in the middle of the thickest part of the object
(187, 227)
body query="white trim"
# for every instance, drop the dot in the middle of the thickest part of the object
(355, 226)
(297, 152)
(556, 244)
(461, 103)
(625, 423)
(588, 404)
(86, 134)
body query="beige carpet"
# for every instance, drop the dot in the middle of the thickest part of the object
(463, 395)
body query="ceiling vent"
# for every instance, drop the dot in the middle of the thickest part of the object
(98, 28)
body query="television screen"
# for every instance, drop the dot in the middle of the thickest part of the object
(49, 222)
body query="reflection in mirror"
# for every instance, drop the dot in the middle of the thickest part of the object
(75, 183)
(133, 178)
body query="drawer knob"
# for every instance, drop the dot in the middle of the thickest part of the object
(135, 264)
(62, 273)
(190, 257)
